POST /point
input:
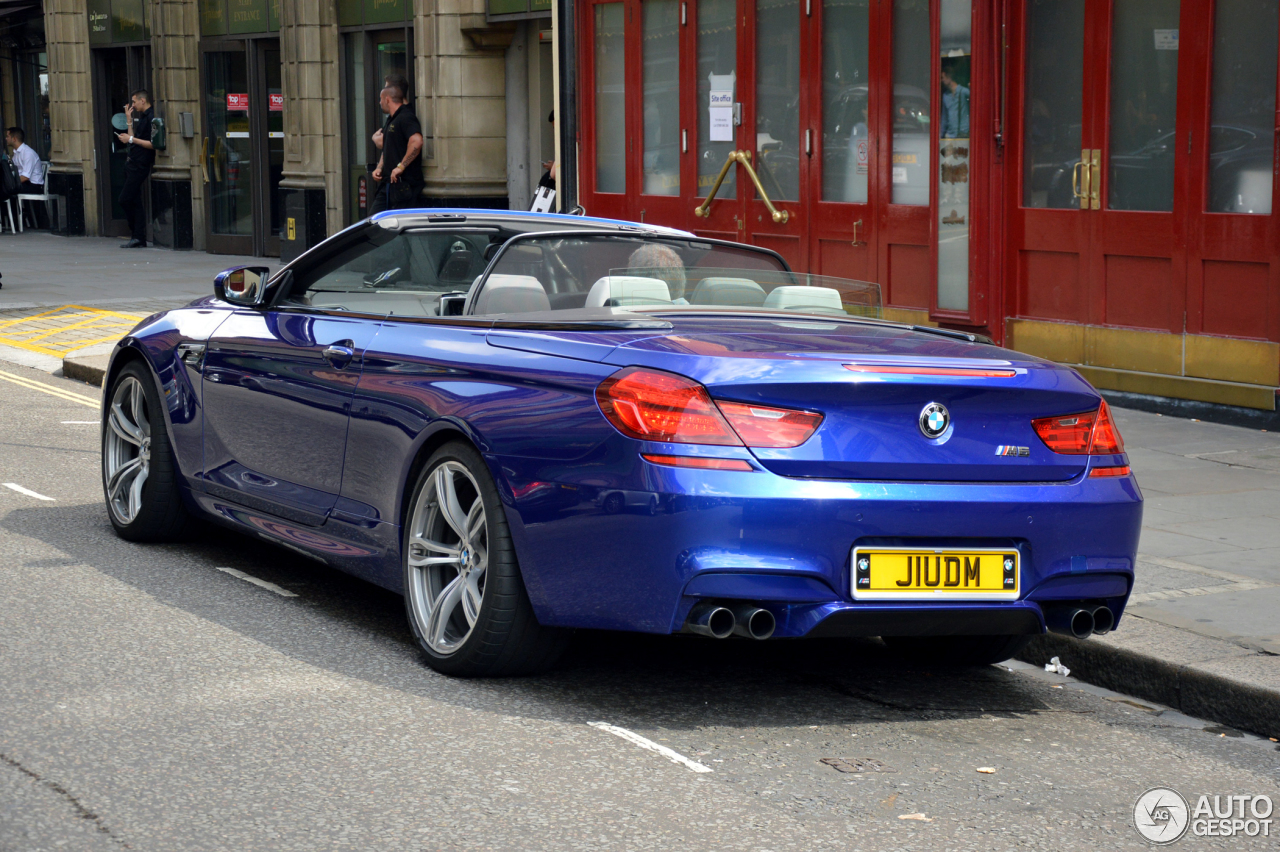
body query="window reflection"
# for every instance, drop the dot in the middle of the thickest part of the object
(717, 72)
(661, 53)
(610, 100)
(1242, 137)
(778, 97)
(846, 140)
(954, 150)
(912, 68)
(1054, 106)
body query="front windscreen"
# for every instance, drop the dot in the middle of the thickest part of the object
(648, 273)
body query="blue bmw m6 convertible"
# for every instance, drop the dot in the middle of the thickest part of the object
(531, 423)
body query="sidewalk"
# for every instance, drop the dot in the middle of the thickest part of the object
(1202, 631)
(78, 295)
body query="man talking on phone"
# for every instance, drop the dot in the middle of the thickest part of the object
(400, 185)
(141, 157)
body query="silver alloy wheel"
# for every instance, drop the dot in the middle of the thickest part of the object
(127, 450)
(448, 557)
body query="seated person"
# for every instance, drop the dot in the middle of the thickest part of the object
(658, 261)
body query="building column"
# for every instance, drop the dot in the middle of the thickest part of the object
(177, 183)
(71, 156)
(461, 80)
(311, 188)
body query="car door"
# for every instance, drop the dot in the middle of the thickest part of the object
(278, 385)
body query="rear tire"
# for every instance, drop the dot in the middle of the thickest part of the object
(957, 650)
(140, 478)
(464, 597)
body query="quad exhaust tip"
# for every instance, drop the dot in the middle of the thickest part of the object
(1071, 621)
(721, 621)
(1103, 620)
(712, 620)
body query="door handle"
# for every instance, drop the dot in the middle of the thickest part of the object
(1095, 182)
(204, 159)
(857, 242)
(340, 354)
(1075, 181)
(1085, 179)
(744, 158)
(704, 209)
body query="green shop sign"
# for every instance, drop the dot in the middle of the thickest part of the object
(116, 21)
(515, 9)
(239, 17)
(355, 13)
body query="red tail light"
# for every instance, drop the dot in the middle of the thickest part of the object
(655, 406)
(697, 461)
(1089, 433)
(765, 426)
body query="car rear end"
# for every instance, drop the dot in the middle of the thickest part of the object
(872, 481)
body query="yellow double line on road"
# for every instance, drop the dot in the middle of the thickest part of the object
(67, 395)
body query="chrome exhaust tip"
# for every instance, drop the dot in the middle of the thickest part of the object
(711, 620)
(1104, 620)
(1070, 621)
(753, 622)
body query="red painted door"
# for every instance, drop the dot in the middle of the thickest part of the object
(1092, 222)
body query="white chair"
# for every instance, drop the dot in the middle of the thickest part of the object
(24, 197)
(8, 209)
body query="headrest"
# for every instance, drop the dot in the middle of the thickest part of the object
(812, 299)
(616, 290)
(742, 292)
(511, 294)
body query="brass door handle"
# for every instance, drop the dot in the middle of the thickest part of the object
(1095, 180)
(1085, 180)
(779, 216)
(856, 241)
(204, 159)
(743, 158)
(1075, 181)
(704, 209)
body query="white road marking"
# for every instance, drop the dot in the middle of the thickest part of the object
(631, 736)
(81, 422)
(270, 587)
(27, 491)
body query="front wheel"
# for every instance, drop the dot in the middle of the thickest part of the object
(957, 650)
(139, 473)
(464, 596)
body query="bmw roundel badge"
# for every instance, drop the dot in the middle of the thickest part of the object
(934, 420)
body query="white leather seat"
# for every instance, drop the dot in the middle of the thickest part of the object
(621, 290)
(511, 294)
(800, 298)
(737, 292)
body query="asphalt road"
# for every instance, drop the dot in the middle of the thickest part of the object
(150, 701)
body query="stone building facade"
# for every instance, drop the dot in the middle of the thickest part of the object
(269, 106)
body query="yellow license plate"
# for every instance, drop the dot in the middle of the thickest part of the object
(902, 574)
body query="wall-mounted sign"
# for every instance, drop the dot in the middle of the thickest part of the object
(236, 17)
(275, 103)
(118, 21)
(353, 13)
(237, 102)
(512, 10)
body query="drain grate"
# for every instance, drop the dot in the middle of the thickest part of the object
(857, 764)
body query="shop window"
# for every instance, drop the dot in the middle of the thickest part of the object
(1242, 132)
(610, 99)
(1054, 103)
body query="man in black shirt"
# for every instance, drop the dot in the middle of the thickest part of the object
(401, 185)
(141, 157)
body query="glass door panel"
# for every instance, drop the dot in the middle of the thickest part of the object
(777, 143)
(275, 138)
(846, 88)
(1054, 104)
(660, 40)
(718, 74)
(912, 70)
(1243, 106)
(229, 159)
(954, 149)
(1143, 104)
(610, 98)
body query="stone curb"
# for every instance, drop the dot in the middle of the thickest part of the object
(87, 368)
(1182, 686)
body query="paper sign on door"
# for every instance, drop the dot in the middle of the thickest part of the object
(721, 113)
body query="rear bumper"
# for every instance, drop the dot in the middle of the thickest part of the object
(784, 543)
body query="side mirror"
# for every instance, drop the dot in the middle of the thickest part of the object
(242, 285)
